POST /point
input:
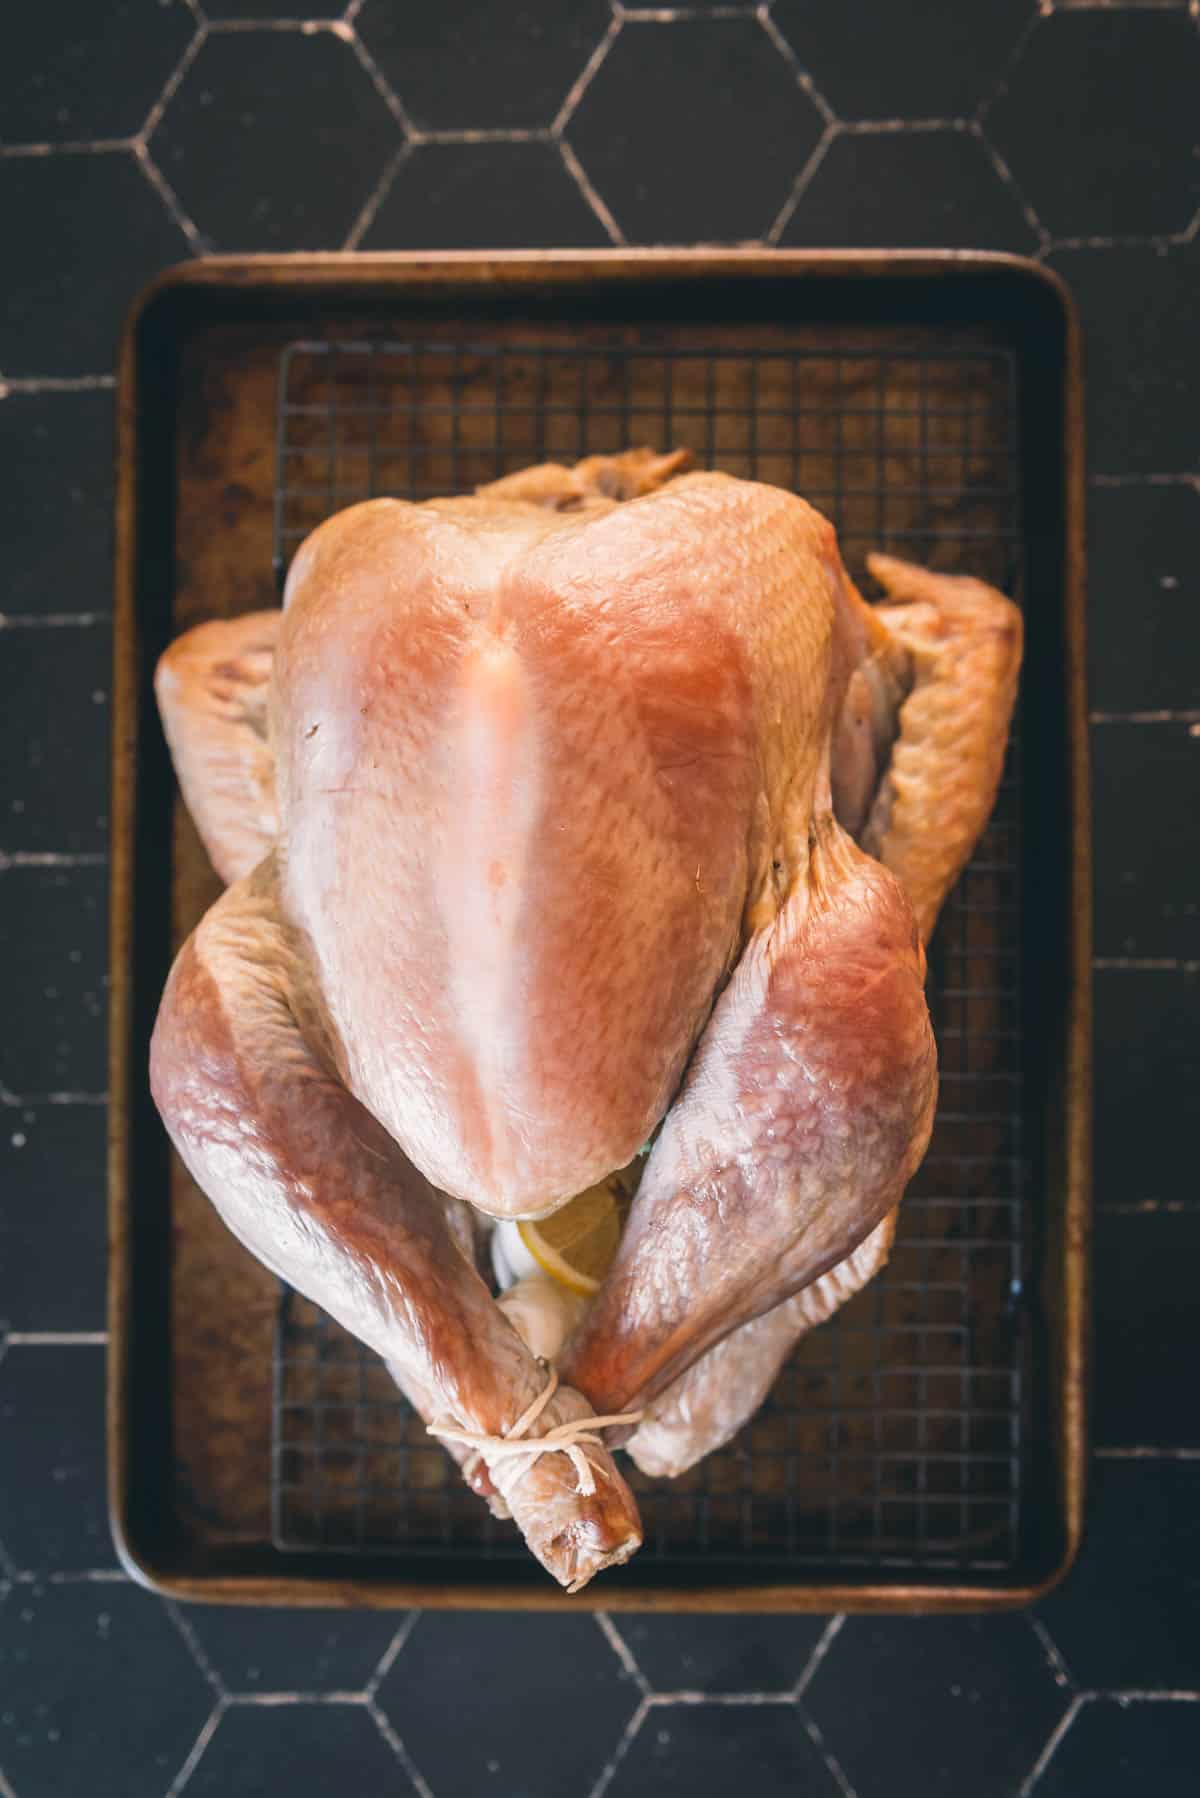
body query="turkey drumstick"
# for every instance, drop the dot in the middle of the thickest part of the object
(242, 1070)
(918, 757)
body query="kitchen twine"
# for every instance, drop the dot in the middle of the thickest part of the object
(570, 1439)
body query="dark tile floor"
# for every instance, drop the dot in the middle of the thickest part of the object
(143, 131)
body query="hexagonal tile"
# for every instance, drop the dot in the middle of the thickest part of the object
(1096, 153)
(1126, 1613)
(911, 189)
(707, 1748)
(58, 224)
(75, 70)
(54, 782)
(1148, 1041)
(462, 66)
(52, 1228)
(307, 1750)
(1147, 841)
(962, 1704)
(484, 196)
(512, 1670)
(229, 145)
(1115, 1745)
(56, 500)
(1143, 595)
(694, 130)
(96, 1686)
(53, 1516)
(1138, 308)
(292, 1650)
(54, 950)
(923, 60)
(721, 1654)
(1145, 1379)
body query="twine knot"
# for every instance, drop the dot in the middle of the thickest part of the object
(572, 1439)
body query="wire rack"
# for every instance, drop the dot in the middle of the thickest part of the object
(896, 1436)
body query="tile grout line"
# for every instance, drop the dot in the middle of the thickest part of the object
(91, 1576)
(60, 1577)
(1160, 1695)
(79, 146)
(166, 193)
(281, 1701)
(801, 73)
(12, 384)
(609, 1771)
(377, 196)
(1008, 68)
(25, 621)
(832, 1763)
(192, 1758)
(585, 76)
(171, 85)
(914, 127)
(1048, 1752)
(57, 1338)
(802, 183)
(337, 27)
(1062, 1673)
(1008, 179)
(622, 1650)
(828, 1637)
(541, 135)
(1163, 964)
(1141, 1452)
(583, 182)
(1145, 480)
(1188, 716)
(685, 15)
(88, 1576)
(384, 1725)
(689, 1698)
(1143, 1207)
(1125, 240)
(193, 1645)
(386, 1660)
(31, 1101)
(383, 86)
(37, 858)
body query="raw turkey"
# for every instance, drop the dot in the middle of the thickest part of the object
(594, 806)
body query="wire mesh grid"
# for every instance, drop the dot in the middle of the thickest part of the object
(896, 1435)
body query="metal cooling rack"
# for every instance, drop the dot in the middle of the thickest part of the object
(897, 1435)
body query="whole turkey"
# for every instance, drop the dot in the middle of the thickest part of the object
(593, 807)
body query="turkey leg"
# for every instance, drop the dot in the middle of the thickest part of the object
(708, 1405)
(243, 1073)
(922, 737)
(804, 1113)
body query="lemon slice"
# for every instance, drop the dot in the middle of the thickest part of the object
(576, 1244)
